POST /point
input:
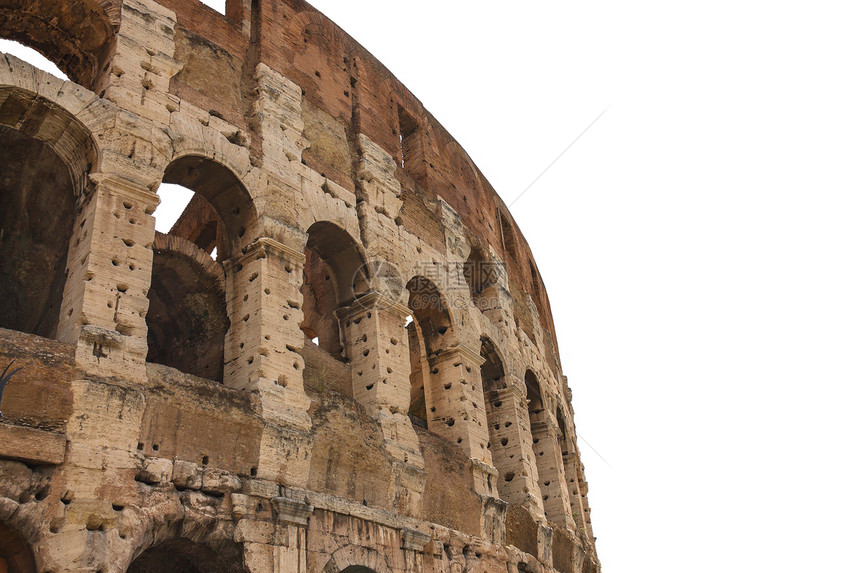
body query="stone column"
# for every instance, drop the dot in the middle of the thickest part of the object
(143, 64)
(511, 446)
(109, 269)
(550, 467)
(262, 350)
(455, 410)
(377, 346)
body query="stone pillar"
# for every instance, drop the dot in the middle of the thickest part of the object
(277, 112)
(455, 410)
(550, 467)
(262, 350)
(109, 269)
(143, 64)
(510, 444)
(280, 547)
(377, 346)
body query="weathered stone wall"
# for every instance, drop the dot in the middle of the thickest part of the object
(265, 408)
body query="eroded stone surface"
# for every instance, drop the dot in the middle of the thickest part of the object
(364, 375)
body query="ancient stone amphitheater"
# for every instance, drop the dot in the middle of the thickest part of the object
(341, 358)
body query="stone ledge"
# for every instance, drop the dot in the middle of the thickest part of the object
(31, 445)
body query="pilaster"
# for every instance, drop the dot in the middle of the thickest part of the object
(377, 346)
(109, 270)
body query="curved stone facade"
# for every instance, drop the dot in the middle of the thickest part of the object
(341, 357)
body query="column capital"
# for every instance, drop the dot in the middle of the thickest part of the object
(126, 188)
(292, 511)
(371, 301)
(264, 246)
(463, 352)
(413, 539)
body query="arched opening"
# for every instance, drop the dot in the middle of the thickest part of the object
(429, 334)
(548, 463)
(15, 554)
(562, 427)
(46, 155)
(187, 318)
(480, 275)
(184, 556)
(208, 212)
(76, 35)
(536, 408)
(32, 57)
(333, 277)
(501, 419)
(357, 569)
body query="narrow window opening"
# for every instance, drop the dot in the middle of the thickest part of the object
(508, 236)
(411, 153)
(535, 282)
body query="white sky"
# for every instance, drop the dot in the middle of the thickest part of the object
(699, 244)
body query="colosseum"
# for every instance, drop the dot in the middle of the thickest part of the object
(341, 358)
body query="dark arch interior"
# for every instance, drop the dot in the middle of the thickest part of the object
(15, 553)
(184, 556)
(223, 201)
(492, 371)
(358, 569)
(429, 334)
(187, 318)
(74, 34)
(479, 274)
(334, 275)
(431, 315)
(342, 257)
(533, 396)
(37, 213)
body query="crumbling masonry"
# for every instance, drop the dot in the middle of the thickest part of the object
(341, 358)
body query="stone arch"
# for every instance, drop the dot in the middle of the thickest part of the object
(223, 190)
(498, 406)
(356, 559)
(335, 274)
(189, 311)
(181, 555)
(482, 275)
(77, 35)
(547, 451)
(47, 155)
(430, 333)
(493, 372)
(16, 555)
(187, 318)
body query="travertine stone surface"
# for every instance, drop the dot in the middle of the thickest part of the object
(390, 396)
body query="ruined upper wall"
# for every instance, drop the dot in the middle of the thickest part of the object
(331, 196)
(346, 91)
